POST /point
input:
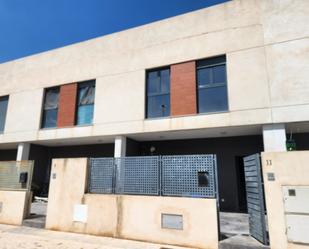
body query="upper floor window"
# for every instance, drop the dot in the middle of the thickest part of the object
(158, 93)
(85, 103)
(3, 109)
(50, 108)
(211, 85)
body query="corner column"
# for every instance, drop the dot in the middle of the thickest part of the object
(120, 146)
(274, 137)
(23, 151)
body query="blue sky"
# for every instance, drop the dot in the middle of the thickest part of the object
(32, 26)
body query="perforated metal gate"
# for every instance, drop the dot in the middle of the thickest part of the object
(255, 198)
(155, 175)
(180, 175)
(137, 175)
(101, 175)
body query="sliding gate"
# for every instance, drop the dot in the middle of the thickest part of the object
(184, 175)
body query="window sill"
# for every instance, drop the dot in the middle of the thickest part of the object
(188, 115)
(65, 127)
(49, 128)
(83, 125)
(210, 113)
(158, 118)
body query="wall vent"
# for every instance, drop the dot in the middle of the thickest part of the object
(172, 221)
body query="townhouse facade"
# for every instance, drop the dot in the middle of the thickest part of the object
(230, 80)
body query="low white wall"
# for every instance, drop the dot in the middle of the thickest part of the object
(126, 216)
(289, 169)
(13, 207)
(141, 220)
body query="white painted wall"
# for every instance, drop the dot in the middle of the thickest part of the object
(290, 170)
(266, 43)
(274, 137)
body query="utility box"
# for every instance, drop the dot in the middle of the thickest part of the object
(296, 209)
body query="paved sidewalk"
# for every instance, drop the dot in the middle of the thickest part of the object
(234, 224)
(13, 237)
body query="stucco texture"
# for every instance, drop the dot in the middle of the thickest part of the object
(128, 217)
(290, 169)
(13, 207)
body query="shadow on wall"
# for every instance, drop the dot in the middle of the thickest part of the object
(8, 155)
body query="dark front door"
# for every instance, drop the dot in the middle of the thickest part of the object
(241, 184)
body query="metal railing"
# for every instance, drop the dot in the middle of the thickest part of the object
(184, 175)
(16, 175)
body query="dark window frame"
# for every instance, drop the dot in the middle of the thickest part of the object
(43, 107)
(79, 86)
(164, 93)
(211, 85)
(4, 98)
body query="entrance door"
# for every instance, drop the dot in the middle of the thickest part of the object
(241, 184)
(255, 198)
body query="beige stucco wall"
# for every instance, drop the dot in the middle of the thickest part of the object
(290, 169)
(266, 43)
(141, 220)
(67, 187)
(13, 207)
(130, 217)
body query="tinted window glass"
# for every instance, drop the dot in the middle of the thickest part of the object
(212, 99)
(211, 61)
(3, 110)
(154, 84)
(85, 114)
(212, 86)
(203, 76)
(51, 99)
(85, 103)
(219, 74)
(50, 118)
(159, 106)
(165, 81)
(50, 108)
(158, 93)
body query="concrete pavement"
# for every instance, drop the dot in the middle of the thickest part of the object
(14, 237)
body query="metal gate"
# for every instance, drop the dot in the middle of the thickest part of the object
(101, 175)
(16, 175)
(137, 175)
(182, 175)
(255, 198)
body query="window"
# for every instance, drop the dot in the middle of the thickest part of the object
(3, 110)
(158, 93)
(50, 108)
(85, 103)
(211, 85)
